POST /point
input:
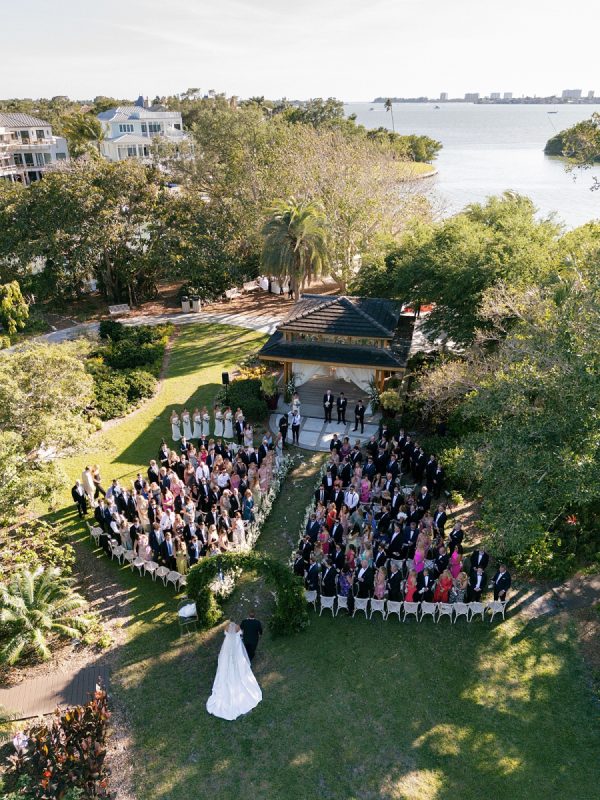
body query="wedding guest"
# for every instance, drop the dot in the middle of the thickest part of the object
(79, 498)
(459, 588)
(411, 587)
(380, 584)
(363, 580)
(479, 558)
(341, 404)
(501, 583)
(476, 585)
(394, 584)
(425, 586)
(443, 587)
(359, 416)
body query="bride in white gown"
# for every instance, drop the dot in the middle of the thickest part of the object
(235, 689)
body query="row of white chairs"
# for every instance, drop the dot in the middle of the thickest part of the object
(144, 566)
(370, 606)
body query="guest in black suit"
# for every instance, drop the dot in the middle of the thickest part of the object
(364, 580)
(502, 582)
(476, 585)
(409, 540)
(359, 416)
(441, 561)
(425, 586)
(194, 550)
(299, 564)
(321, 496)
(283, 426)
(339, 559)
(239, 430)
(167, 552)
(328, 401)
(329, 580)
(78, 495)
(440, 518)
(381, 556)
(455, 539)
(479, 558)
(311, 580)
(394, 584)
(251, 632)
(341, 404)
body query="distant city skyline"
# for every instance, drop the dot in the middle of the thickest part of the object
(320, 48)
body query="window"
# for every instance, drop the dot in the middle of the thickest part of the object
(47, 158)
(39, 134)
(177, 126)
(144, 128)
(61, 156)
(24, 136)
(132, 150)
(39, 159)
(126, 127)
(18, 159)
(29, 159)
(154, 127)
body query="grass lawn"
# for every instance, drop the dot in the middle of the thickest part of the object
(351, 708)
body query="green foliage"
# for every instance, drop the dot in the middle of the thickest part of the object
(32, 545)
(409, 148)
(111, 394)
(13, 309)
(84, 133)
(247, 394)
(390, 400)
(66, 757)
(36, 607)
(580, 142)
(112, 329)
(289, 615)
(268, 385)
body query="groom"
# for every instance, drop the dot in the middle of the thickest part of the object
(251, 633)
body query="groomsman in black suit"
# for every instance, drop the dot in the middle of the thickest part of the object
(78, 495)
(283, 426)
(328, 401)
(364, 580)
(194, 550)
(439, 519)
(329, 580)
(425, 586)
(501, 582)
(394, 584)
(476, 585)
(438, 481)
(299, 564)
(359, 416)
(311, 580)
(479, 558)
(341, 404)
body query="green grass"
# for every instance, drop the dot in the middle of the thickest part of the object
(351, 708)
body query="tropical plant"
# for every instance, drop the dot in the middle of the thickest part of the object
(34, 608)
(389, 106)
(295, 242)
(390, 400)
(84, 133)
(14, 310)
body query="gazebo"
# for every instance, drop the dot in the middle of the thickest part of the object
(357, 339)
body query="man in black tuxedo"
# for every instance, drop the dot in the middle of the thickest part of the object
(394, 584)
(380, 556)
(409, 540)
(430, 469)
(262, 452)
(439, 519)
(239, 430)
(441, 561)
(455, 538)
(283, 426)
(476, 585)
(335, 444)
(479, 558)
(328, 582)
(364, 580)
(167, 552)
(194, 550)
(425, 586)
(102, 515)
(359, 416)
(251, 633)
(328, 401)
(306, 547)
(394, 551)
(78, 495)
(321, 496)
(370, 469)
(299, 564)
(311, 581)
(424, 499)
(338, 499)
(313, 528)
(341, 405)
(501, 582)
(337, 532)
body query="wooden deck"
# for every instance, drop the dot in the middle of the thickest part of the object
(42, 695)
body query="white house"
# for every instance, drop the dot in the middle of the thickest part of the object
(129, 130)
(28, 148)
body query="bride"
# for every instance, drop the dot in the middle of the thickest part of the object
(235, 690)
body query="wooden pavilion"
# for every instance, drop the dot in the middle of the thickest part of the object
(359, 339)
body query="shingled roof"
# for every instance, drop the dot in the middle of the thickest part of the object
(18, 120)
(342, 315)
(277, 349)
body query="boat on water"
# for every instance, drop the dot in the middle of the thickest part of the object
(372, 108)
(551, 112)
(435, 107)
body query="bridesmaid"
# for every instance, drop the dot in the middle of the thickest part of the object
(218, 422)
(228, 430)
(187, 424)
(295, 402)
(205, 422)
(197, 420)
(248, 436)
(176, 430)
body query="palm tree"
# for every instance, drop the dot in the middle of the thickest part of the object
(389, 106)
(83, 131)
(35, 606)
(295, 241)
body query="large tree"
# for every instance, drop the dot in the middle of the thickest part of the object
(295, 242)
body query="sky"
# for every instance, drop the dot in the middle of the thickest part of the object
(350, 49)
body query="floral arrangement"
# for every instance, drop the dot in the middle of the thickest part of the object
(390, 400)
(374, 396)
(290, 388)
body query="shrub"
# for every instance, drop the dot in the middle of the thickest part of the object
(66, 758)
(111, 329)
(129, 354)
(390, 400)
(4, 341)
(111, 395)
(142, 384)
(35, 544)
(247, 394)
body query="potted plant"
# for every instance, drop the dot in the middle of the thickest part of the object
(390, 402)
(268, 384)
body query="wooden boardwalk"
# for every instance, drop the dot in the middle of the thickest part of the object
(42, 695)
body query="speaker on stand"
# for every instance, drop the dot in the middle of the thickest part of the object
(225, 382)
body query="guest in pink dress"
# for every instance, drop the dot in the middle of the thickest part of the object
(365, 490)
(379, 592)
(324, 540)
(455, 563)
(419, 561)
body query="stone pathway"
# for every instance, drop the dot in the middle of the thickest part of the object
(316, 434)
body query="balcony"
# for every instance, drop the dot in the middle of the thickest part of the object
(23, 144)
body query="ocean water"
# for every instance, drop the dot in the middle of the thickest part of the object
(489, 149)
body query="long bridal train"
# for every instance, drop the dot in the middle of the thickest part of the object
(235, 689)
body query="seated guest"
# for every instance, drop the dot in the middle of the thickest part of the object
(394, 584)
(363, 580)
(476, 585)
(425, 586)
(501, 582)
(443, 587)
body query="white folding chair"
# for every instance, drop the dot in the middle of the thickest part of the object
(461, 610)
(411, 608)
(445, 610)
(150, 567)
(327, 602)
(173, 577)
(162, 573)
(138, 563)
(361, 604)
(496, 607)
(428, 610)
(116, 550)
(310, 595)
(182, 581)
(393, 607)
(95, 532)
(377, 605)
(129, 558)
(476, 608)
(342, 602)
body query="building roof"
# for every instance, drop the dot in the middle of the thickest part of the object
(277, 349)
(18, 120)
(341, 315)
(124, 113)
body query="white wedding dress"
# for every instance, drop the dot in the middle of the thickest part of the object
(235, 689)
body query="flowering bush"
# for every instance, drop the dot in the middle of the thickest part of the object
(390, 400)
